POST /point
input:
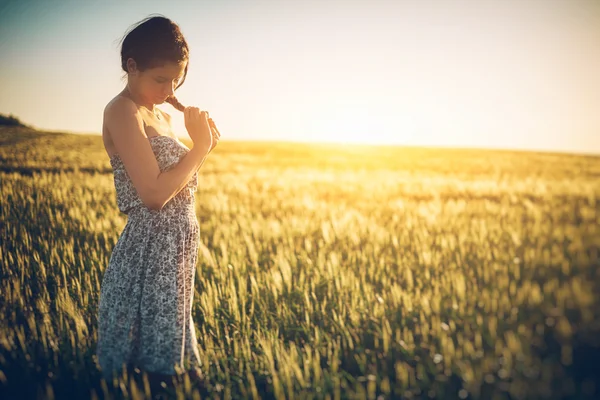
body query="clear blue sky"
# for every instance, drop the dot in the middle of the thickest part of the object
(519, 74)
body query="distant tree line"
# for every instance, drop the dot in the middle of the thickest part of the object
(10, 120)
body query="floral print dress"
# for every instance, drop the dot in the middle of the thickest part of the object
(145, 305)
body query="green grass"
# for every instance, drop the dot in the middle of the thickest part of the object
(324, 271)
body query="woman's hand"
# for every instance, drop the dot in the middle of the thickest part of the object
(198, 127)
(216, 135)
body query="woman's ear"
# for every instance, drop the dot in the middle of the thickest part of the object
(131, 66)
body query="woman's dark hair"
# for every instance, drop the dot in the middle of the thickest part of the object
(152, 42)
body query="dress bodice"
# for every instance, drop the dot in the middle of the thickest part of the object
(168, 152)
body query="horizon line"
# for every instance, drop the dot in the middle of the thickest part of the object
(359, 144)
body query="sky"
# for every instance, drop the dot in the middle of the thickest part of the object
(513, 74)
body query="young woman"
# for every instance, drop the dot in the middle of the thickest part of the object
(145, 306)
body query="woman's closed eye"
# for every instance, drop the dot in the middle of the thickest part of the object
(162, 80)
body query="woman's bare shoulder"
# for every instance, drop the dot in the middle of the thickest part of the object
(119, 102)
(114, 112)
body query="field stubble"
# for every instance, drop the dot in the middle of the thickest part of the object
(340, 271)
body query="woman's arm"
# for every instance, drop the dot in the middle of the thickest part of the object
(155, 188)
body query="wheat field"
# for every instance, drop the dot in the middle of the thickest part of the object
(325, 271)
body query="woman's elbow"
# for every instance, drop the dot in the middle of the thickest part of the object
(154, 206)
(152, 200)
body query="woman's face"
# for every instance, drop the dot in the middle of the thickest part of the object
(156, 84)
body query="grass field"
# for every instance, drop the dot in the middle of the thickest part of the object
(324, 271)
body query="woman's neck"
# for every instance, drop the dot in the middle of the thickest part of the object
(137, 99)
